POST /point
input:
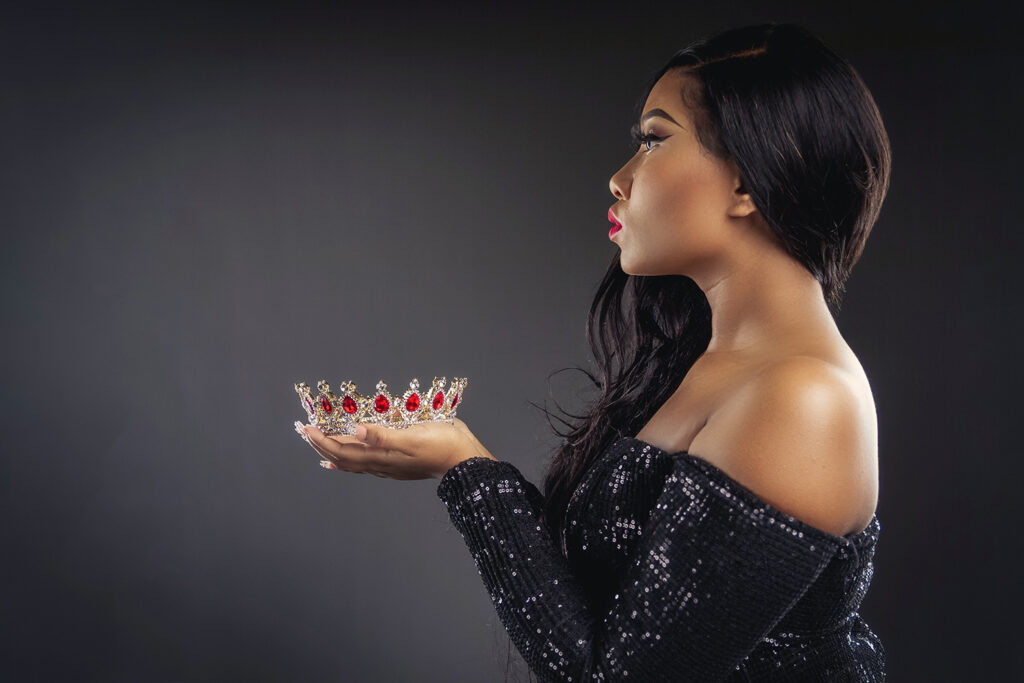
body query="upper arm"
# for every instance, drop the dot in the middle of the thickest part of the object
(796, 435)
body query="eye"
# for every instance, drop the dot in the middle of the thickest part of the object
(647, 138)
(644, 139)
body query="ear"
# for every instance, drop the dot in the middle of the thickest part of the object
(741, 205)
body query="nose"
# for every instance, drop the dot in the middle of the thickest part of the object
(621, 183)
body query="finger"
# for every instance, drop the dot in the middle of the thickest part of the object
(345, 452)
(314, 438)
(305, 437)
(300, 429)
(383, 438)
(326, 457)
(382, 446)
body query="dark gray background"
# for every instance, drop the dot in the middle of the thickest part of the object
(205, 203)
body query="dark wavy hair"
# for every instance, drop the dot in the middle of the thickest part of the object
(812, 151)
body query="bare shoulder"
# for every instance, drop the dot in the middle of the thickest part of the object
(800, 433)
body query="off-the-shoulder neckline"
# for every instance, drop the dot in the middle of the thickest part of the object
(709, 467)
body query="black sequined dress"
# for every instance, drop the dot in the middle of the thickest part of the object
(667, 569)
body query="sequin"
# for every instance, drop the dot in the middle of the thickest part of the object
(666, 570)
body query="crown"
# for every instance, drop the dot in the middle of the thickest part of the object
(341, 413)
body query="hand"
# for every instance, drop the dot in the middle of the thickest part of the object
(422, 451)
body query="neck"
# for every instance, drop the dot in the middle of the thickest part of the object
(763, 302)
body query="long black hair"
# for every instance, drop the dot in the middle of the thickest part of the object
(812, 151)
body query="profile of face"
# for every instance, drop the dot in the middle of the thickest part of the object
(683, 211)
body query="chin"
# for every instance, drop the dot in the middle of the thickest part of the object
(630, 268)
(639, 270)
(624, 263)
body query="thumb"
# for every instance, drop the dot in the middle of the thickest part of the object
(372, 435)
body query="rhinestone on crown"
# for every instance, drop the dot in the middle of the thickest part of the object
(340, 413)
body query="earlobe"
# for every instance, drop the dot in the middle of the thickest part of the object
(742, 205)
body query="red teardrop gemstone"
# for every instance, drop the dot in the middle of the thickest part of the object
(412, 403)
(438, 401)
(455, 400)
(381, 405)
(349, 404)
(325, 403)
(310, 404)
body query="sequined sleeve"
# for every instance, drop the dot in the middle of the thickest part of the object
(711, 574)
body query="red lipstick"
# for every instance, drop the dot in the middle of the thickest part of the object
(616, 224)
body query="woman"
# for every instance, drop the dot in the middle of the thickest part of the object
(732, 537)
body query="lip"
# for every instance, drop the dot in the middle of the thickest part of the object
(616, 225)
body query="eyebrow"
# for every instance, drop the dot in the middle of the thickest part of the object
(659, 112)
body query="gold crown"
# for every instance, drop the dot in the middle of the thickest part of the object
(341, 413)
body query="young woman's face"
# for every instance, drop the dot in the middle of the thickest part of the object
(673, 196)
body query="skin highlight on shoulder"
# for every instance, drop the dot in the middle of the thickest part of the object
(799, 436)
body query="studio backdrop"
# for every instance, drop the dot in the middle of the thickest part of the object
(206, 203)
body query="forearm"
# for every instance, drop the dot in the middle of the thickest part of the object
(530, 584)
(708, 580)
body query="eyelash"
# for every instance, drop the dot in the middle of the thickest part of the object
(640, 139)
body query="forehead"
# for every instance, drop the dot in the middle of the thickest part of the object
(667, 94)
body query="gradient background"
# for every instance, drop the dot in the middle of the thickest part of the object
(204, 203)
